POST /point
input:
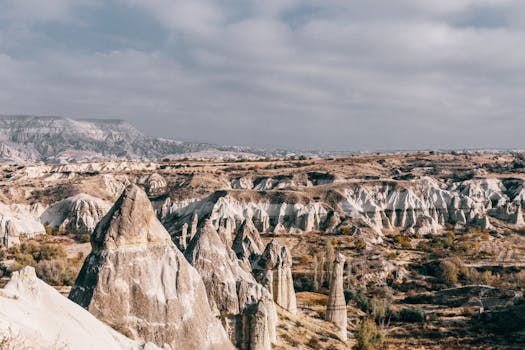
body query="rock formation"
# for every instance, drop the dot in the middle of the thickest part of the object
(39, 317)
(183, 242)
(244, 306)
(155, 185)
(274, 270)
(194, 224)
(16, 220)
(77, 214)
(336, 307)
(425, 205)
(137, 281)
(247, 243)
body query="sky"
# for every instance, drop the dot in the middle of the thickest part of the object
(299, 74)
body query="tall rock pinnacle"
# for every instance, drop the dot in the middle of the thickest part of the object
(244, 306)
(274, 270)
(336, 308)
(137, 281)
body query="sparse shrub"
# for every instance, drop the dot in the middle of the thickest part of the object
(52, 251)
(345, 230)
(304, 259)
(448, 272)
(470, 311)
(379, 309)
(314, 343)
(56, 272)
(403, 241)
(83, 237)
(359, 244)
(368, 336)
(360, 299)
(412, 315)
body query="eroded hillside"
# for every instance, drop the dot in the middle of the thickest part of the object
(433, 242)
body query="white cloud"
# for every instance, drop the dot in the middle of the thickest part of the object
(354, 75)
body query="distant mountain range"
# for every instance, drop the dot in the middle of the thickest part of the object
(66, 140)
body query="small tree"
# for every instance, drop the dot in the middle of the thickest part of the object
(368, 336)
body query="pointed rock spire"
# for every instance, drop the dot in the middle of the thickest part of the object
(136, 280)
(130, 222)
(336, 308)
(274, 271)
(244, 306)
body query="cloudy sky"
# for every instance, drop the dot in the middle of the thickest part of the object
(310, 74)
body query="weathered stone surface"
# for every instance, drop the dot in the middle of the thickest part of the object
(194, 225)
(274, 270)
(244, 306)
(36, 315)
(247, 242)
(77, 214)
(137, 281)
(16, 220)
(336, 308)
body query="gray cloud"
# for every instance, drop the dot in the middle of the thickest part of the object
(334, 74)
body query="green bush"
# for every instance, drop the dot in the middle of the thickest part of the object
(367, 335)
(56, 272)
(51, 252)
(412, 315)
(404, 241)
(448, 272)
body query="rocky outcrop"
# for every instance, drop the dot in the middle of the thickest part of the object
(155, 185)
(244, 306)
(137, 281)
(274, 271)
(247, 243)
(38, 317)
(16, 220)
(336, 307)
(77, 214)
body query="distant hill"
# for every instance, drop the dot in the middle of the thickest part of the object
(65, 140)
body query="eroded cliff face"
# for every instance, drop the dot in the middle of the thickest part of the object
(244, 306)
(423, 206)
(137, 281)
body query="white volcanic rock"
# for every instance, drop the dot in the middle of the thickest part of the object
(77, 214)
(242, 183)
(274, 271)
(265, 216)
(155, 185)
(16, 220)
(336, 308)
(244, 306)
(424, 206)
(39, 317)
(136, 279)
(247, 243)
(115, 184)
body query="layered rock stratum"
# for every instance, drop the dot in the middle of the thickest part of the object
(137, 281)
